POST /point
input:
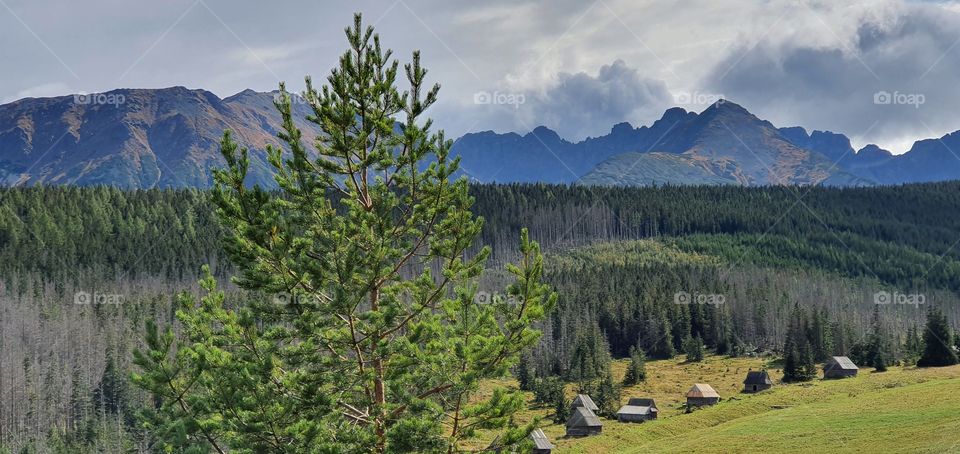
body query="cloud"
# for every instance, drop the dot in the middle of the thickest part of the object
(577, 105)
(39, 91)
(889, 76)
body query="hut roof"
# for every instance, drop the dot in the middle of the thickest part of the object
(841, 362)
(583, 417)
(758, 378)
(642, 402)
(583, 400)
(636, 410)
(702, 390)
(540, 440)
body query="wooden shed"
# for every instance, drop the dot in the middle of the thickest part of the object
(541, 444)
(839, 367)
(638, 410)
(583, 400)
(757, 381)
(583, 422)
(701, 395)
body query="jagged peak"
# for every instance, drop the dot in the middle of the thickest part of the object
(622, 127)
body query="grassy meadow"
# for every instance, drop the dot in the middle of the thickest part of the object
(901, 410)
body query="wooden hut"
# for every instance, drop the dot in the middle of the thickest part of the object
(583, 400)
(839, 367)
(541, 444)
(638, 410)
(702, 395)
(583, 422)
(757, 381)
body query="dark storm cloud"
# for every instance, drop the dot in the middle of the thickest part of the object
(895, 82)
(549, 52)
(581, 104)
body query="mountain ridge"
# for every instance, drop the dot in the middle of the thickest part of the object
(169, 137)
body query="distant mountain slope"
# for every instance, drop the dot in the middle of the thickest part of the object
(723, 144)
(169, 138)
(145, 138)
(542, 156)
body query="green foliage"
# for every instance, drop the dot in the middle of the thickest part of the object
(937, 341)
(561, 408)
(912, 346)
(380, 344)
(525, 374)
(637, 369)
(798, 365)
(548, 390)
(880, 350)
(606, 394)
(591, 356)
(693, 348)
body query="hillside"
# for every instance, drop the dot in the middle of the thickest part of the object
(147, 138)
(143, 139)
(901, 410)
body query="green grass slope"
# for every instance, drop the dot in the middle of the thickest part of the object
(903, 410)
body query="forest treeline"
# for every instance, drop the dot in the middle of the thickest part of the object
(617, 257)
(894, 234)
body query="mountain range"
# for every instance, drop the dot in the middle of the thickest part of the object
(169, 138)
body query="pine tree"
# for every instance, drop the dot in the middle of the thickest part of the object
(637, 370)
(879, 354)
(798, 364)
(525, 373)
(819, 335)
(607, 395)
(376, 331)
(663, 345)
(561, 408)
(693, 348)
(913, 346)
(937, 341)
(545, 391)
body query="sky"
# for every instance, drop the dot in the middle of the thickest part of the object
(879, 71)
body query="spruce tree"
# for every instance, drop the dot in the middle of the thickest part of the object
(637, 370)
(525, 374)
(798, 364)
(693, 348)
(561, 408)
(937, 341)
(663, 345)
(879, 354)
(912, 346)
(607, 395)
(374, 341)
